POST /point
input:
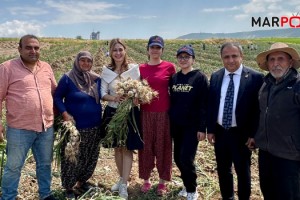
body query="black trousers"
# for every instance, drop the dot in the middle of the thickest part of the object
(279, 177)
(185, 148)
(87, 158)
(230, 149)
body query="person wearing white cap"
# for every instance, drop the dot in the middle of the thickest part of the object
(278, 137)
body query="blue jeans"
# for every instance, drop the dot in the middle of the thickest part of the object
(18, 144)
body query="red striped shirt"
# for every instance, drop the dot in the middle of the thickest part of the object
(27, 95)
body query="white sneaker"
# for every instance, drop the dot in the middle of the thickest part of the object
(116, 186)
(183, 192)
(123, 191)
(192, 196)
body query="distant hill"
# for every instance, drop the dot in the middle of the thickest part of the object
(291, 32)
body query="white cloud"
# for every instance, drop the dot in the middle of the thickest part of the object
(71, 12)
(243, 12)
(268, 7)
(295, 5)
(254, 7)
(274, 7)
(84, 17)
(241, 17)
(16, 28)
(265, 7)
(29, 11)
(81, 6)
(221, 9)
(147, 17)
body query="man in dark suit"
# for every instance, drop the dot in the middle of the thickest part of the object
(233, 119)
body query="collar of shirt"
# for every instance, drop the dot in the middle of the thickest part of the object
(226, 79)
(237, 72)
(37, 67)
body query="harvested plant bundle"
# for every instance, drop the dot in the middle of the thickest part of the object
(117, 129)
(73, 140)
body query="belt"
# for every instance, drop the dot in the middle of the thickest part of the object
(229, 129)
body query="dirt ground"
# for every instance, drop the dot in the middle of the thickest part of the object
(106, 174)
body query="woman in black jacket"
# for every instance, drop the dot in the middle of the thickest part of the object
(188, 90)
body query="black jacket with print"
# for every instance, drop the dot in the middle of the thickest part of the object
(189, 99)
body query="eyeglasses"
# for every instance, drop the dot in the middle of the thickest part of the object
(185, 58)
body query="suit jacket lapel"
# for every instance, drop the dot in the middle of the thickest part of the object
(243, 83)
(219, 83)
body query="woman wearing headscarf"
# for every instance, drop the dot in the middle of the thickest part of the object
(77, 98)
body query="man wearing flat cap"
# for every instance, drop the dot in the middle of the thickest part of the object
(278, 135)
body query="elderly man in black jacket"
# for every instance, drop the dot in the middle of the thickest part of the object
(278, 136)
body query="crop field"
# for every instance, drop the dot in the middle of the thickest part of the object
(60, 54)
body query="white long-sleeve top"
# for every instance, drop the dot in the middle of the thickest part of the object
(110, 79)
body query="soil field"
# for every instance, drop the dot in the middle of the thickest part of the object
(60, 54)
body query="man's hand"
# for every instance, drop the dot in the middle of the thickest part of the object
(211, 138)
(251, 144)
(201, 136)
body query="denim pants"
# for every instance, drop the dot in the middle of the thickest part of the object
(18, 144)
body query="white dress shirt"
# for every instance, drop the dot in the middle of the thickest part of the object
(225, 83)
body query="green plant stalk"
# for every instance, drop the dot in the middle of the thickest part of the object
(60, 135)
(57, 148)
(134, 125)
(117, 129)
(2, 164)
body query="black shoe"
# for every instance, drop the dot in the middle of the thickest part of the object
(51, 197)
(85, 187)
(70, 195)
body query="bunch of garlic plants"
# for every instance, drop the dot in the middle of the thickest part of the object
(72, 147)
(117, 128)
(66, 130)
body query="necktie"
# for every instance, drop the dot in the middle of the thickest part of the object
(228, 105)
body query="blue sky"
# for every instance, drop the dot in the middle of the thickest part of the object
(135, 19)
